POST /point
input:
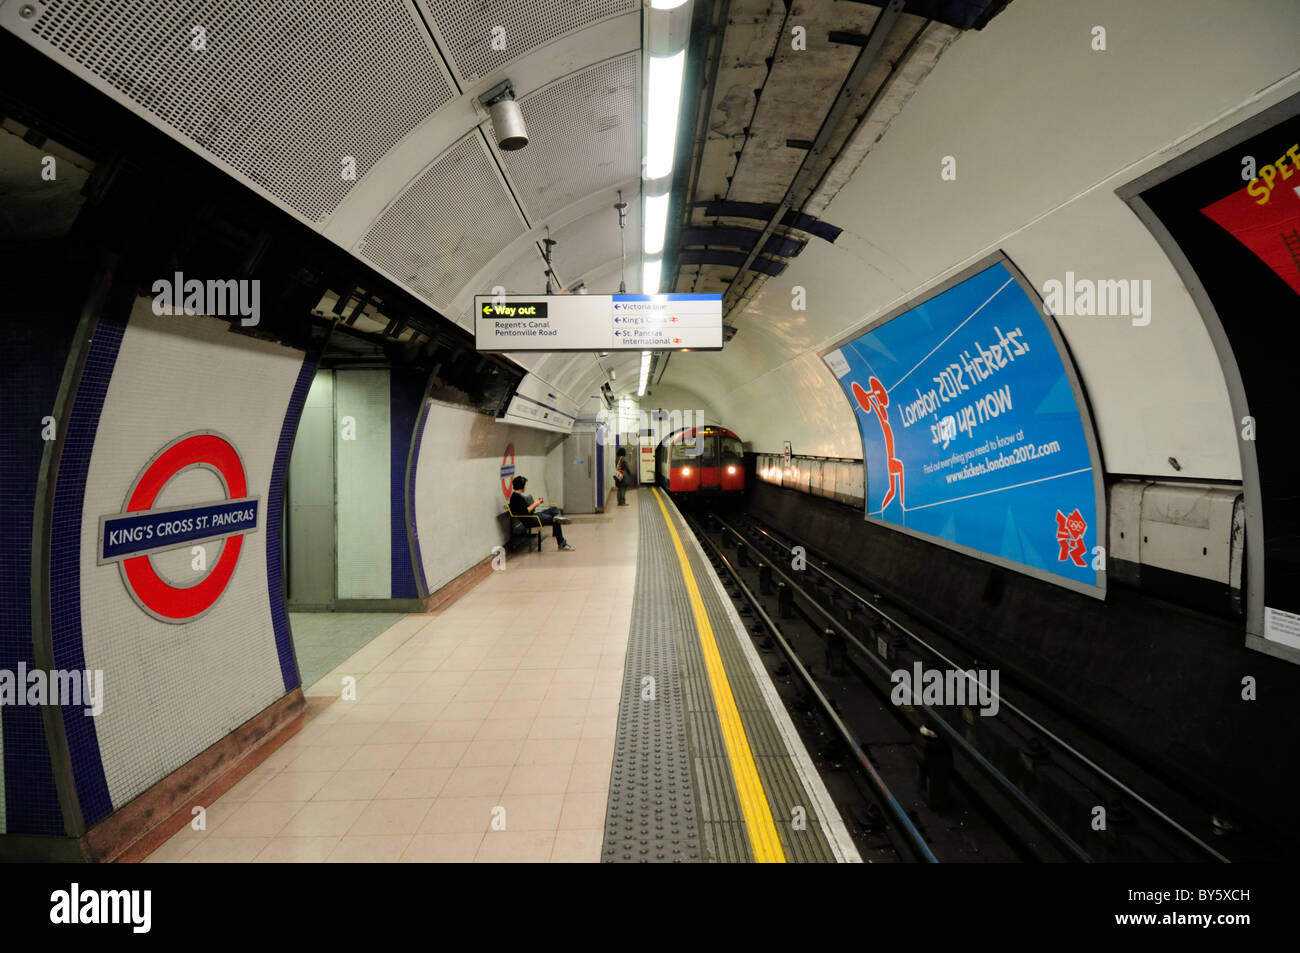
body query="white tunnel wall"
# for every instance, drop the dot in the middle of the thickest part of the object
(1043, 129)
(817, 420)
(551, 488)
(673, 399)
(458, 498)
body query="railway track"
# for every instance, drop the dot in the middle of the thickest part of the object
(993, 775)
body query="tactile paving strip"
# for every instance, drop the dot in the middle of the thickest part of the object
(794, 811)
(672, 795)
(651, 816)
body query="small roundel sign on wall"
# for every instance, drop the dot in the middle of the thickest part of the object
(507, 470)
(145, 528)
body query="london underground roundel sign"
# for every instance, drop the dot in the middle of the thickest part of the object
(143, 529)
(508, 470)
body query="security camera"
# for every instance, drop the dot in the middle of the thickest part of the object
(507, 117)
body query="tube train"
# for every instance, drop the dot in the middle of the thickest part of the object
(701, 461)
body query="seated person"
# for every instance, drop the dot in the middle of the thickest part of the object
(521, 505)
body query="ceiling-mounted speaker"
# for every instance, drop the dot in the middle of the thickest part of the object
(507, 117)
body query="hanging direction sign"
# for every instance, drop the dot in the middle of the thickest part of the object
(628, 322)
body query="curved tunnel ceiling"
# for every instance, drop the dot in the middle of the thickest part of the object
(367, 127)
(1047, 199)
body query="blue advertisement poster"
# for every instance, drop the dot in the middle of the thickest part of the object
(972, 432)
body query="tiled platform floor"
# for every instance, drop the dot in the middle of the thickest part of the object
(483, 733)
(322, 640)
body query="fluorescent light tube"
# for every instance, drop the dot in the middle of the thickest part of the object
(645, 373)
(656, 223)
(650, 276)
(664, 94)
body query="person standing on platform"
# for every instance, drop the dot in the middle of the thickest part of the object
(620, 476)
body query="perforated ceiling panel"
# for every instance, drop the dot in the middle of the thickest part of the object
(593, 241)
(281, 91)
(482, 35)
(587, 249)
(525, 275)
(585, 133)
(446, 226)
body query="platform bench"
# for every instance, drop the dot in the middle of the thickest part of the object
(526, 527)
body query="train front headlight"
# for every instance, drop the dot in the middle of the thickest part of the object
(731, 469)
(686, 471)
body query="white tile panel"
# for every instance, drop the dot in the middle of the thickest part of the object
(173, 690)
(458, 495)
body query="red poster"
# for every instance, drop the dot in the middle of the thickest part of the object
(1270, 229)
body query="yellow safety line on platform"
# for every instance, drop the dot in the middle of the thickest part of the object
(759, 825)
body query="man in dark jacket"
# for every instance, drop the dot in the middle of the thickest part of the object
(621, 476)
(521, 505)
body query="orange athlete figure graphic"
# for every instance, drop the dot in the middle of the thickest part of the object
(877, 399)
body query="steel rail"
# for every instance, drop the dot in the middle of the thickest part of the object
(915, 840)
(1032, 812)
(1064, 745)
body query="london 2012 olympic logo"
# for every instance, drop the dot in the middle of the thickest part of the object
(142, 530)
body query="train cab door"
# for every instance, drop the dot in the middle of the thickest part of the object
(710, 474)
(732, 463)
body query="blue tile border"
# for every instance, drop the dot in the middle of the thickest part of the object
(405, 397)
(66, 632)
(274, 506)
(31, 367)
(410, 497)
